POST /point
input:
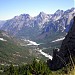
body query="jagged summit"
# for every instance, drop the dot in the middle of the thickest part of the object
(59, 12)
(42, 13)
(24, 25)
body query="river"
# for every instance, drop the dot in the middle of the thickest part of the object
(43, 53)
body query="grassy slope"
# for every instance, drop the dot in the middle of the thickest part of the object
(35, 68)
(12, 51)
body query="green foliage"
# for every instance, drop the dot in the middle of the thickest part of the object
(35, 68)
(16, 51)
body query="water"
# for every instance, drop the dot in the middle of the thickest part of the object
(43, 53)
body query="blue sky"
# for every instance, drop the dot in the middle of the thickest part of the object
(11, 8)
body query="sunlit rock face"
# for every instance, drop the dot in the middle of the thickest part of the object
(30, 27)
(62, 57)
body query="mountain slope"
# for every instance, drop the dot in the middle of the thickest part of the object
(66, 54)
(16, 51)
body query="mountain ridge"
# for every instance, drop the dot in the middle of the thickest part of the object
(25, 25)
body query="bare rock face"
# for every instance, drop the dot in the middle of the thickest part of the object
(25, 26)
(69, 41)
(62, 57)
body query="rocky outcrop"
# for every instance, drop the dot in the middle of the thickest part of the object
(69, 41)
(62, 57)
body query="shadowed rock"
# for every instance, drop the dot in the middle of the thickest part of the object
(62, 57)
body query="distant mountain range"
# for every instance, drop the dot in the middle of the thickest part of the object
(25, 26)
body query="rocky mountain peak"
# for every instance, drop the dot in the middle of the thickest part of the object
(41, 19)
(70, 10)
(57, 15)
(23, 17)
(43, 15)
(58, 12)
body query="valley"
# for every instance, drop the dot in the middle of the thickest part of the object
(29, 41)
(24, 38)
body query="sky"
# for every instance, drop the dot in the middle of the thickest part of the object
(11, 8)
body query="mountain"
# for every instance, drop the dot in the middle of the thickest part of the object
(25, 26)
(60, 21)
(66, 54)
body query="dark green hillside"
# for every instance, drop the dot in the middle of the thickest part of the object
(12, 51)
(47, 43)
